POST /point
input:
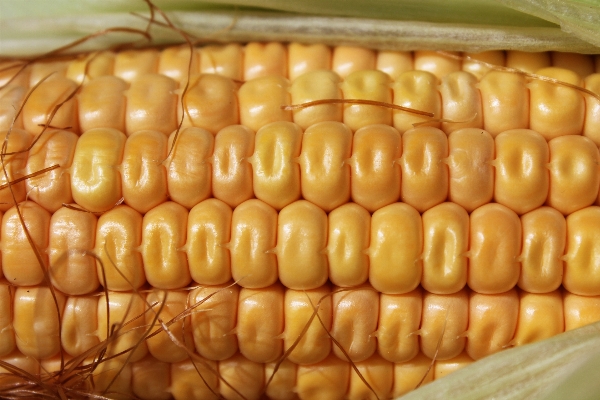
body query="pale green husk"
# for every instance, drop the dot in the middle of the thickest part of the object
(567, 366)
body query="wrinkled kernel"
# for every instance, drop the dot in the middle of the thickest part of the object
(493, 321)
(495, 244)
(231, 172)
(349, 59)
(505, 101)
(325, 176)
(416, 90)
(582, 258)
(314, 86)
(376, 176)
(151, 104)
(301, 240)
(444, 320)
(424, 174)
(367, 85)
(79, 325)
(574, 173)
(461, 102)
(399, 319)
(396, 247)
(303, 58)
(471, 175)
(260, 101)
(522, 178)
(253, 236)
(544, 241)
(264, 59)
(355, 316)
(211, 103)
(347, 241)
(556, 110)
(314, 345)
(102, 104)
(540, 317)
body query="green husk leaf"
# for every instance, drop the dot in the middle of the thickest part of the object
(565, 366)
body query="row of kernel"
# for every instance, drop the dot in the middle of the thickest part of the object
(498, 102)
(202, 379)
(395, 249)
(326, 164)
(255, 60)
(262, 324)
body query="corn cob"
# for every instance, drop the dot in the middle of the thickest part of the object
(238, 361)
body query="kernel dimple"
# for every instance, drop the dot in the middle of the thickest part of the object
(102, 103)
(314, 86)
(225, 60)
(131, 64)
(461, 102)
(79, 325)
(416, 90)
(367, 85)
(303, 58)
(505, 101)
(151, 104)
(264, 59)
(260, 101)
(540, 317)
(349, 59)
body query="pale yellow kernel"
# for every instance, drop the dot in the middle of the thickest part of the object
(265, 59)
(301, 240)
(118, 237)
(95, 179)
(495, 245)
(367, 85)
(102, 104)
(14, 164)
(349, 59)
(276, 172)
(20, 261)
(505, 101)
(79, 325)
(208, 232)
(376, 175)
(424, 174)
(446, 241)
(493, 321)
(225, 60)
(283, 385)
(445, 367)
(544, 241)
(556, 110)
(151, 104)
(325, 176)
(52, 104)
(522, 179)
(574, 173)
(214, 320)
(379, 374)
(72, 239)
(526, 61)
(416, 90)
(10, 97)
(91, 66)
(150, 379)
(231, 171)
(260, 101)
(121, 314)
(193, 379)
(14, 73)
(36, 325)
(540, 317)
(394, 63)
(410, 374)
(260, 323)
(399, 319)
(188, 167)
(471, 175)
(436, 63)
(326, 380)
(253, 237)
(163, 234)
(494, 57)
(396, 247)
(51, 189)
(171, 305)
(444, 320)
(132, 64)
(211, 103)
(179, 63)
(347, 241)
(144, 178)
(303, 58)
(582, 261)
(46, 69)
(314, 86)
(461, 102)
(245, 376)
(591, 126)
